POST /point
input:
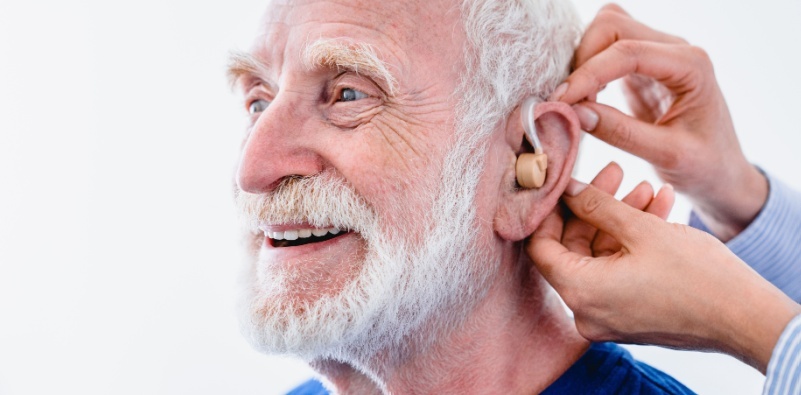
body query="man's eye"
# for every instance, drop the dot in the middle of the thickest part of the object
(258, 106)
(349, 94)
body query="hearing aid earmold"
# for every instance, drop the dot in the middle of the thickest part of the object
(531, 168)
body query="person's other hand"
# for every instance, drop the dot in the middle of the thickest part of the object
(680, 123)
(631, 277)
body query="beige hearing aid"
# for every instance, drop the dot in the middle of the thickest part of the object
(531, 168)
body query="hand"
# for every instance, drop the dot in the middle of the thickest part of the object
(630, 277)
(681, 123)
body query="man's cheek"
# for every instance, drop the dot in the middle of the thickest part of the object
(404, 143)
(385, 169)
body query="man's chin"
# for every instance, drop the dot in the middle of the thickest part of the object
(307, 275)
(374, 314)
(308, 307)
(281, 324)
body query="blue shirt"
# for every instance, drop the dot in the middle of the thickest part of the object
(605, 368)
(311, 387)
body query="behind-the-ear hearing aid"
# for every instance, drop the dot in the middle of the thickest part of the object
(531, 168)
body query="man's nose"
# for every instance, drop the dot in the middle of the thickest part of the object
(277, 147)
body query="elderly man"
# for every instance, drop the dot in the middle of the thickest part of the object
(377, 179)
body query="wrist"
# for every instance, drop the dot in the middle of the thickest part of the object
(730, 208)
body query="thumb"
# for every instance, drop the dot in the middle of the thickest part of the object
(604, 212)
(552, 259)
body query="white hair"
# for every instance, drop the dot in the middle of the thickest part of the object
(360, 58)
(400, 284)
(515, 49)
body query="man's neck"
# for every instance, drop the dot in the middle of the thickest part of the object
(519, 340)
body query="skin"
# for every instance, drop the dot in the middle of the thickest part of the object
(680, 122)
(699, 296)
(389, 148)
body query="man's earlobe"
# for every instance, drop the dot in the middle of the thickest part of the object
(542, 128)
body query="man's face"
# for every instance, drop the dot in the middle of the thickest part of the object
(353, 107)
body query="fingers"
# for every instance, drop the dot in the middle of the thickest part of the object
(578, 235)
(678, 67)
(603, 211)
(639, 138)
(648, 100)
(551, 227)
(547, 252)
(613, 24)
(639, 198)
(662, 202)
(609, 178)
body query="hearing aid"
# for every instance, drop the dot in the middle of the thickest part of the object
(531, 168)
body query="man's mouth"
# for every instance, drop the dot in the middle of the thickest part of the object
(299, 237)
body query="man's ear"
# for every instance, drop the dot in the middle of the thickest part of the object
(521, 210)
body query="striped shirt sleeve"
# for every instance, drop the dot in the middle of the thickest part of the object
(771, 244)
(784, 368)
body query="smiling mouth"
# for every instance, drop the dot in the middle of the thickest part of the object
(299, 237)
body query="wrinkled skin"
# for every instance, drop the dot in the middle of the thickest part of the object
(389, 146)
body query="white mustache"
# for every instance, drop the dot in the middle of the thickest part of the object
(321, 201)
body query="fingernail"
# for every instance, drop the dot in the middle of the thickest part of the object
(587, 117)
(574, 187)
(665, 188)
(558, 92)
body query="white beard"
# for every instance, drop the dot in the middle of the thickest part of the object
(406, 293)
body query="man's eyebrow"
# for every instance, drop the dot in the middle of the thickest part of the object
(359, 58)
(241, 64)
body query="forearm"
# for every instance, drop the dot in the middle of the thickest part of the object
(771, 244)
(730, 209)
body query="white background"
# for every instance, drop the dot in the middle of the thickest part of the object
(118, 137)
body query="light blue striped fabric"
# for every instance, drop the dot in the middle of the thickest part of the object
(784, 369)
(772, 243)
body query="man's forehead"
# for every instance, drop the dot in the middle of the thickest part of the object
(403, 21)
(283, 10)
(385, 10)
(408, 37)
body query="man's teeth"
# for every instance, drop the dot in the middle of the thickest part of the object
(300, 233)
